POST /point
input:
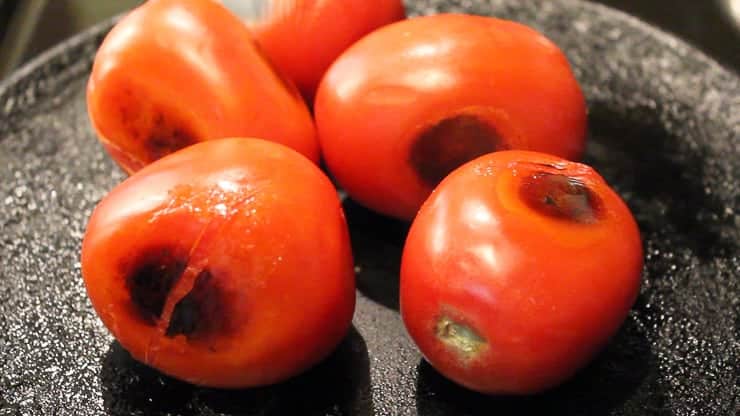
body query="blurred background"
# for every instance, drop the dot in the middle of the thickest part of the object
(28, 27)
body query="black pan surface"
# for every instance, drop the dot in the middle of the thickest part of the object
(665, 130)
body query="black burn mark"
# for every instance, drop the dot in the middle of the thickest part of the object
(562, 197)
(149, 281)
(166, 136)
(443, 147)
(159, 128)
(200, 312)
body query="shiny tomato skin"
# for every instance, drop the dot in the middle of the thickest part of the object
(225, 264)
(303, 37)
(383, 93)
(176, 72)
(503, 298)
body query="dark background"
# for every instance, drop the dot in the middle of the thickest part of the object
(711, 25)
(28, 27)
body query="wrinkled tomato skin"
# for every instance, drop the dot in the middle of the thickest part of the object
(252, 237)
(541, 294)
(303, 37)
(176, 72)
(398, 82)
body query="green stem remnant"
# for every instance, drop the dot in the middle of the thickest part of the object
(461, 338)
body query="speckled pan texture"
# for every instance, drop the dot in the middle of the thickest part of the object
(665, 130)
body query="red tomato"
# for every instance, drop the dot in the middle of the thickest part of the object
(225, 264)
(410, 102)
(303, 37)
(176, 72)
(517, 270)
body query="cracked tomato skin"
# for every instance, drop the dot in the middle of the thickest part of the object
(225, 264)
(517, 271)
(303, 37)
(176, 72)
(408, 103)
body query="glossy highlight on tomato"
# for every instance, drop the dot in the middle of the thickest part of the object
(412, 101)
(517, 271)
(176, 72)
(225, 264)
(303, 37)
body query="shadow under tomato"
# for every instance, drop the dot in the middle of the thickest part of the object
(624, 376)
(377, 245)
(340, 385)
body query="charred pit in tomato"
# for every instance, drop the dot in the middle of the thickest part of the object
(449, 143)
(202, 312)
(160, 130)
(561, 196)
(150, 278)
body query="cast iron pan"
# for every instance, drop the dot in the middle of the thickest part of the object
(665, 130)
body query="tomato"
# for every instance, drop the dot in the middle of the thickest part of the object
(410, 102)
(176, 72)
(303, 37)
(519, 267)
(225, 264)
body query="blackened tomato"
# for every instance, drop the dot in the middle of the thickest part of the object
(224, 264)
(517, 270)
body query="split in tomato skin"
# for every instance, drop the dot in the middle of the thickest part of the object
(303, 37)
(225, 264)
(453, 85)
(176, 72)
(517, 270)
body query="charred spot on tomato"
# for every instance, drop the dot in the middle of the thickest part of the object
(446, 145)
(201, 312)
(167, 136)
(561, 196)
(160, 128)
(150, 278)
(461, 338)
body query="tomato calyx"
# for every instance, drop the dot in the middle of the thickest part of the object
(446, 144)
(462, 339)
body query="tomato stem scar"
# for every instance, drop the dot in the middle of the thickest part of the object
(462, 338)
